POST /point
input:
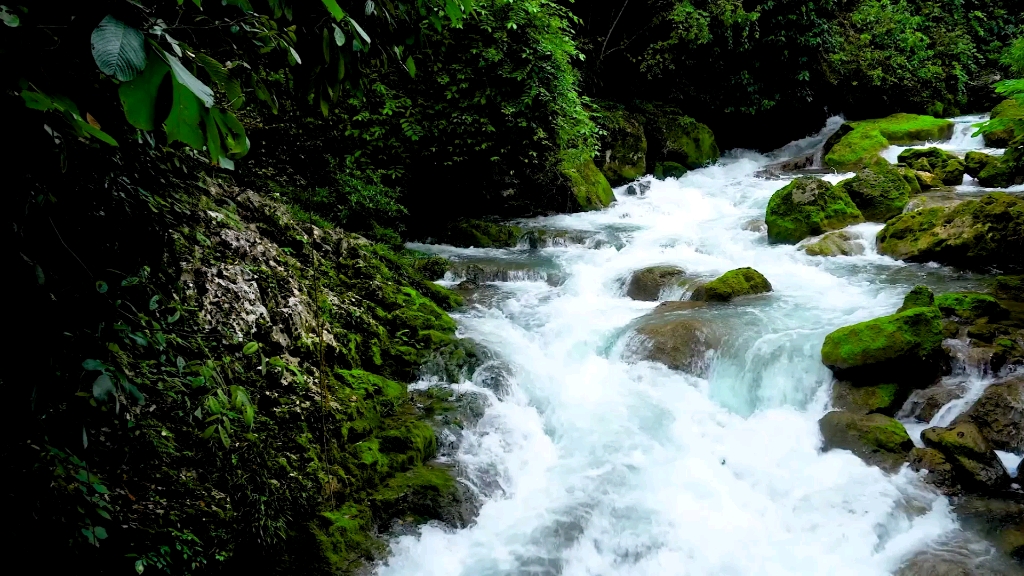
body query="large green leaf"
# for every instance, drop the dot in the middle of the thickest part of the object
(185, 78)
(183, 123)
(334, 9)
(119, 49)
(236, 144)
(138, 97)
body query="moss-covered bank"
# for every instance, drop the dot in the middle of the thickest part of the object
(861, 145)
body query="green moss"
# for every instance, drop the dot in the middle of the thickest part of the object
(878, 191)
(910, 177)
(732, 284)
(677, 138)
(423, 493)
(975, 162)
(903, 347)
(623, 153)
(588, 186)
(1009, 109)
(876, 438)
(1004, 171)
(1010, 288)
(919, 297)
(970, 306)
(881, 398)
(838, 243)
(481, 234)
(860, 147)
(432, 267)
(856, 150)
(665, 170)
(947, 167)
(808, 207)
(345, 538)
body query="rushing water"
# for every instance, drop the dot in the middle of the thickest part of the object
(589, 464)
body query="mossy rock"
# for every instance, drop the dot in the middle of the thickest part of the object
(860, 147)
(1008, 109)
(974, 463)
(588, 186)
(947, 167)
(667, 169)
(974, 234)
(677, 342)
(939, 472)
(623, 150)
(1009, 288)
(905, 348)
(674, 137)
(879, 192)
(345, 538)
(927, 180)
(999, 415)
(919, 297)
(732, 284)
(808, 207)
(428, 492)
(875, 438)
(481, 234)
(646, 284)
(432, 267)
(970, 306)
(910, 177)
(1004, 171)
(975, 162)
(999, 518)
(838, 243)
(882, 399)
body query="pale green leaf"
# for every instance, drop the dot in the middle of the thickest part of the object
(118, 49)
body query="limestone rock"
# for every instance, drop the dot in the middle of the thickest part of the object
(808, 207)
(732, 284)
(677, 342)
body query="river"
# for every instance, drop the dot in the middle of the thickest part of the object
(588, 462)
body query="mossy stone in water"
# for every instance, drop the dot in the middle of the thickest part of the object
(975, 162)
(673, 137)
(808, 207)
(665, 170)
(920, 296)
(481, 234)
(974, 462)
(947, 167)
(974, 234)
(588, 186)
(905, 348)
(877, 439)
(427, 492)
(1008, 109)
(910, 177)
(1010, 288)
(647, 283)
(970, 306)
(883, 398)
(623, 153)
(879, 192)
(940, 472)
(679, 343)
(732, 284)
(1006, 170)
(861, 146)
(838, 243)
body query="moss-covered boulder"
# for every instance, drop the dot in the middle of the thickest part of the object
(732, 284)
(674, 137)
(974, 463)
(663, 170)
(678, 342)
(975, 162)
(937, 470)
(882, 399)
(432, 267)
(860, 147)
(588, 186)
(481, 234)
(1008, 109)
(973, 234)
(905, 348)
(1009, 288)
(927, 180)
(838, 243)
(879, 192)
(919, 297)
(1004, 171)
(910, 177)
(999, 415)
(970, 306)
(947, 167)
(622, 156)
(428, 492)
(924, 404)
(808, 207)
(877, 439)
(647, 283)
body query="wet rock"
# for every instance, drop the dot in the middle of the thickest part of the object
(663, 170)
(678, 306)
(588, 186)
(883, 398)
(676, 139)
(432, 267)
(679, 343)
(468, 284)
(757, 226)
(999, 415)
(732, 284)
(640, 188)
(973, 234)
(427, 492)
(1009, 288)
(1008, 109)
(860, 147)
(905, 348)
(838, 243)
(920, 296)
(623, 148)
(927, 180)
(970, 306)
(541, 238)
(945, 166)
(481, 234)
(877, 439)
(989, 333)
(1006, 170)
(974, 463)
(924, 404)
(646, 284)
(808, 207)
(944, 197)
(878, 191)
(910, 177)
(938, 472)
(1000, 520)
(975, 162)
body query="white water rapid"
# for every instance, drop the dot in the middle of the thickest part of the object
(587, 464)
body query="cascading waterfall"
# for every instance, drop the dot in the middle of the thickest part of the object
(590, 463)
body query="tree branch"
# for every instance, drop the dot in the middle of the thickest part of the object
(610, 30)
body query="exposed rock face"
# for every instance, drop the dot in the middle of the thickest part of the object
(905, 348)
(973, 234)
(999, 416)
(678, 342)
(879, 192)
(808, 207)
(974, 463)
(646, 284)
(947, 167)
(623, 153)
(732, 284)
(878, 440)
(838, 243)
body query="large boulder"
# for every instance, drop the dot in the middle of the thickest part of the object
(860, 146)
(588, 186)
(732, 284)
(623, 149)
(838, 243)
(1008, 109)
(481, 234)
(924, 404)
(938, 470)
(675, 138)
(663, 170)
(999, 519)
(975, 162)
(1006, 170)
(883, 398)
(975, 464)
(947, 167)
(904, 348)
(879, 192)
(808, 207)
(973, 234)
(999, 416)
(970, 306)
(920, 296)
(877, 439)
(677, 342)
(647, 283)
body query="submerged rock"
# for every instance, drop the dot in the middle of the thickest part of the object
(975, 464)
(623, 149)
(678, 342)
(904, 348)
(808, 207)
(758, 226)
(732, 284)
(646, 284)
(999, 416)
(879, 192)
(877, 439)
(945, 166)
(838, 243)
(973, 234)
(663, 170)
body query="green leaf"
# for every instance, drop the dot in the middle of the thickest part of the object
(103, 513)
(360, 31)
(339, 36)
(138, 338)
(174, 317)
(118, 49)
(140, 398)
(94, 365)
(139, 97)
(221, 76)
(249, 414)
(410, 66)
(334, 9)
(154, 302)
(209, 431)
(236, 143)
(9, 18)
(96, 132)
(100, 532)
(102, 388)
(250, 348)
(186, 79)
(101, 286)
(100, 488)
(224, 436)
(182, 123)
